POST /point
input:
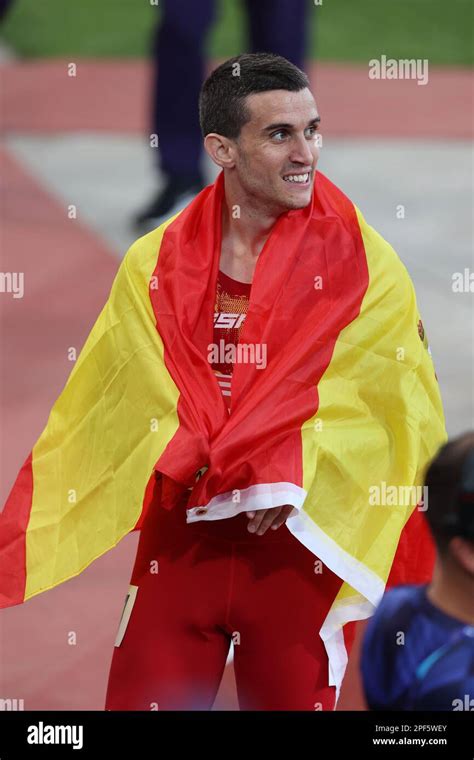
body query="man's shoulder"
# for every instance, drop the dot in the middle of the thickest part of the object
(331, 199)
(154, 236)
(148, 245)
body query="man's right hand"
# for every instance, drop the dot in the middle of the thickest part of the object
(262, 519)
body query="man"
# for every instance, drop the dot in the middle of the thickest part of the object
(243, 447)
(418, 651)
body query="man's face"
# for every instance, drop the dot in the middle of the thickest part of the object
(277, 150)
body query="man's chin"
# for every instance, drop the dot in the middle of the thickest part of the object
(292, 204)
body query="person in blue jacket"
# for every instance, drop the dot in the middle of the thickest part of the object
(418, 649)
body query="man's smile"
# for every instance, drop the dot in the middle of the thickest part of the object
(302, 179)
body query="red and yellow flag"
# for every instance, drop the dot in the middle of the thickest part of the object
(347, 403)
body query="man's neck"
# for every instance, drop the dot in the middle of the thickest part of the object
(452, 591)
(245, 229)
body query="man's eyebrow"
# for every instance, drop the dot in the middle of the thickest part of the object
(283, 125)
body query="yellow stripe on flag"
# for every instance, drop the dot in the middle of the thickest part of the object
(105, 432)
(380, 418)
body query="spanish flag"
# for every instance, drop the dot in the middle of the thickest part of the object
(346, 409)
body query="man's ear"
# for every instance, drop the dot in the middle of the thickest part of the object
(220, 149)
(463, 552)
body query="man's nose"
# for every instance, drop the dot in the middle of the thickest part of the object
(304, 151)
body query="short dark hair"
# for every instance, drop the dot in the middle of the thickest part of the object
(222, 98)
(450, 506)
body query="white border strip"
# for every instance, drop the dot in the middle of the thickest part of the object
(260, 496)
(347, 567)
(353, 572)
(357, 608)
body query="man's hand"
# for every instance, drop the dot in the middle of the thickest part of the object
(262, 519)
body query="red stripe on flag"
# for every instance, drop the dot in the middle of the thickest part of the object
(13, 528)
(416, 553)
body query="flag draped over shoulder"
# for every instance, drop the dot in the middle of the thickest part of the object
(348, 401)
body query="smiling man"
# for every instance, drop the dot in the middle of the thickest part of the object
(249, 563)
(260, 366)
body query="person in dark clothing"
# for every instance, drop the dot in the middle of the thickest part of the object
(418, 650)
(4, 6)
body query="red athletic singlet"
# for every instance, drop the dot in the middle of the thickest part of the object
(231, 305)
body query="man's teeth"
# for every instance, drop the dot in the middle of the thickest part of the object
(297, 178)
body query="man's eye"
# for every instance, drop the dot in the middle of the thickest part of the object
(279, 135)
(311, 130)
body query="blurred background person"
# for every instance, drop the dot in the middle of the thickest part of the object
(4, 6)
(418, 650)
(179, 59)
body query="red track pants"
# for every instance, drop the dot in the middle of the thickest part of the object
(203, 584)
